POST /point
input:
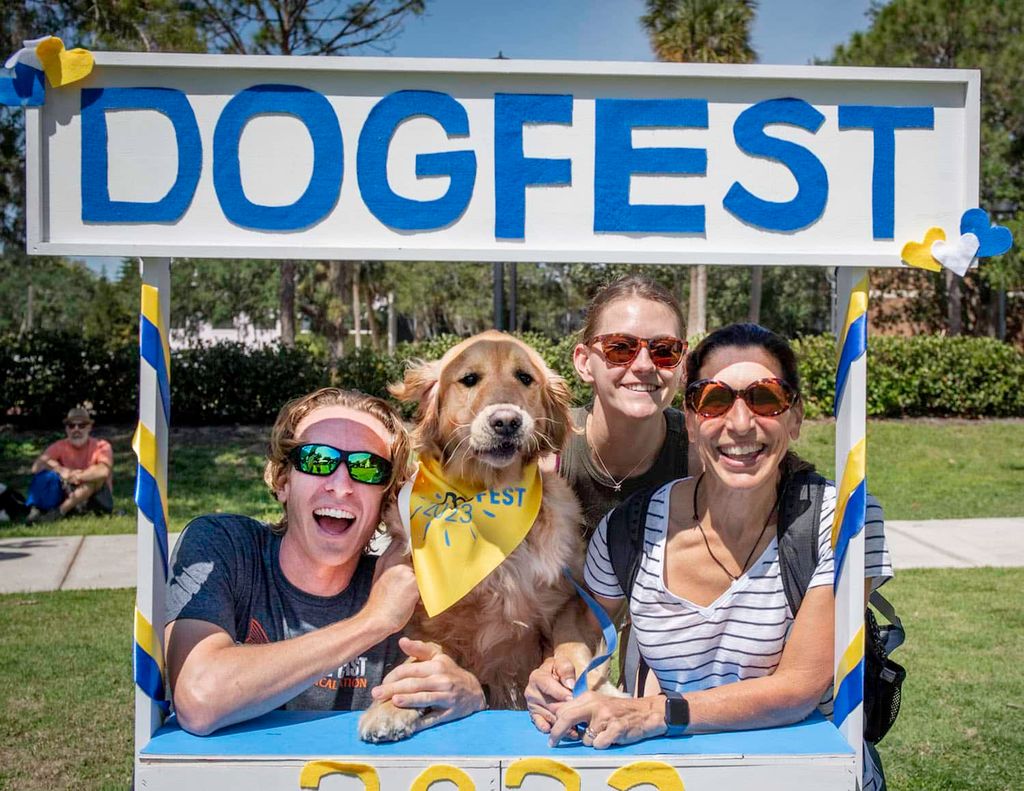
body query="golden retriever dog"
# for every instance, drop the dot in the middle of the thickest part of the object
(489, 407)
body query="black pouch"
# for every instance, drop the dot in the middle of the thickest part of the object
(13, 503)
(883, 678)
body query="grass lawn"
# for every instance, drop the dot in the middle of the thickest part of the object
(935, 469)
(919, 469)
(211, 469)
(963, 694)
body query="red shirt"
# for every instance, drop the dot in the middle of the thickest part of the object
(92, 452)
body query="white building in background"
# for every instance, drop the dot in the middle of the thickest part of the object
(242, 331)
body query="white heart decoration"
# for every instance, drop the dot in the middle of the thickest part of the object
(27, 54)
(957, 254)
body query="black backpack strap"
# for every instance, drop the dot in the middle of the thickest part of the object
(676, 425)
(798, 528)
(625, 534)
(894, 635)
(627, 524)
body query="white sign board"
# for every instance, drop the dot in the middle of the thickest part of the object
(379, 158)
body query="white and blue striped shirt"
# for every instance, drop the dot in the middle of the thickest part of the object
(741, 634)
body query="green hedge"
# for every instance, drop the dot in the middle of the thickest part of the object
(922, 376)
(41, 375)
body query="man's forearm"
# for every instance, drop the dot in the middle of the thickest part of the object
(43, 463)
(234, 683)
(94, 473)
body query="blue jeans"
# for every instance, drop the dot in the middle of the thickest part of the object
(46, 491)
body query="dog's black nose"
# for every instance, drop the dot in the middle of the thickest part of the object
(506, 424)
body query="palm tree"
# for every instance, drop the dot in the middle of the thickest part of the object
(703, 31)
(700, 31)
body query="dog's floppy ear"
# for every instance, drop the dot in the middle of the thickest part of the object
(420, 386)
(557, 400)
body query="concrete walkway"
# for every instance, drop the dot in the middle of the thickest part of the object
(77, 562)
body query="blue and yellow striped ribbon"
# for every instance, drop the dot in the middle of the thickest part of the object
(854, 342)
(851, 503)
(849, 679)
(149, 666)
(150, 495)
(150, 488)
(153, 345)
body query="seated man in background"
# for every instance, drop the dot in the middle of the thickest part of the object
(74, 474)
(299, 615)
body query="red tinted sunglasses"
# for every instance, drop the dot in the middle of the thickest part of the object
(765, 397)
(620, 348)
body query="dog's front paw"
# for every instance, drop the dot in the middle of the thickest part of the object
(385, 722)
(607, 688)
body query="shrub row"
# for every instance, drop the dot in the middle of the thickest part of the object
(42, 375)
(922, 376)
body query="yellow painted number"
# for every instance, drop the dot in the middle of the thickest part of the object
(658, 774)
(315, 771)
(433, 774)
(518, 771)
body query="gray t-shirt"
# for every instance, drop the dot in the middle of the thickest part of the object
(596, 495)
(225, 570)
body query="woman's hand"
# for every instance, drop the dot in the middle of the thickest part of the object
(610, 720)
(434, 681)
(550, 685)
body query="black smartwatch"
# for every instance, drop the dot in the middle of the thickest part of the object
(677, 714)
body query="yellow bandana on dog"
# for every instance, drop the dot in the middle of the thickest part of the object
(461, 534)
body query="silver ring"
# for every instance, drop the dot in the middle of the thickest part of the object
(589, 733)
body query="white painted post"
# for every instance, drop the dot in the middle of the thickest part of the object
(150, 444)
(848, 530)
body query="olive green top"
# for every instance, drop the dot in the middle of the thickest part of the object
(597, 495)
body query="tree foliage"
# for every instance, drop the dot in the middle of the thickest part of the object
(963, 34)
(303, 27)
(701, 31)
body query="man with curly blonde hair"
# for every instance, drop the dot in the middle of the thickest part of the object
(297, 615)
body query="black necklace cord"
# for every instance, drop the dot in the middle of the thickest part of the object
(696, 518)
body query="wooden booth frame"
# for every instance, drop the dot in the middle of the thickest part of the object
(50, 231)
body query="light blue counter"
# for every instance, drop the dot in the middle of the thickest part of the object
(498, 734)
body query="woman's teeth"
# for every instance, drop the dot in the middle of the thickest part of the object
(642, 388)
(738, 451)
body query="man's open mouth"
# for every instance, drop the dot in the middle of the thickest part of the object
(334, 520)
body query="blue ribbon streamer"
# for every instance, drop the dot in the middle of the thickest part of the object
(853, 523)
(854, 346)
(152, 349)
(849, 695)
(607, 628)
(149, 679)
(147, 498)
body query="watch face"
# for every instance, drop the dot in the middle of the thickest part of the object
(677, 714)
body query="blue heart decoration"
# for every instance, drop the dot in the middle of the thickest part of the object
(25, 88)
(994, 239)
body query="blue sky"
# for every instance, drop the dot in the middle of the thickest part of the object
(785, 31)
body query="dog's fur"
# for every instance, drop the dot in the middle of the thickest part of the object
(468, 404)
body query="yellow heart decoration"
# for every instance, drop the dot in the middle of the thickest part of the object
(62, 66)
(919, 254)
